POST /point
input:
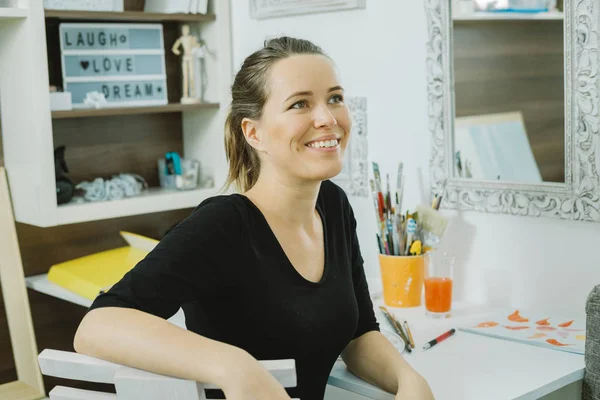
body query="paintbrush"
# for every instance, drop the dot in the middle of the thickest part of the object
(397, 327)
(433, 225)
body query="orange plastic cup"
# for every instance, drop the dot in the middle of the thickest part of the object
(402, 279)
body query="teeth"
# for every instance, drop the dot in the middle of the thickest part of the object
(325, 143)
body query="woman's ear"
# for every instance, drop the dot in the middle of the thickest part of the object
(250, 129)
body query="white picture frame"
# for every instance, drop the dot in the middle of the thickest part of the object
(354, 178)
(261, 9)
(578, 198)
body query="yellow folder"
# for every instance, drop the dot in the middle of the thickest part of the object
(87, 276)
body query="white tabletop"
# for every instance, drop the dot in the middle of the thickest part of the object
(472, 367)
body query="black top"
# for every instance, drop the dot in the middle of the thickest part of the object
(224, 266)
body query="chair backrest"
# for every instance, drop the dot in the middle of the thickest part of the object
(131, 383)
(591, 379)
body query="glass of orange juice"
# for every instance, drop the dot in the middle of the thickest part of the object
(438, 284)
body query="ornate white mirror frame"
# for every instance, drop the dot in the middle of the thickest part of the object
(578, 198)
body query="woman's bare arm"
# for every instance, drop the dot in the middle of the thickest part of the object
(374, 359)
(140, 340)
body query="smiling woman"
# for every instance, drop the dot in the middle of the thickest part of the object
(284, 254)
(299, 115)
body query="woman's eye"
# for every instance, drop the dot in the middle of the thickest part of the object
(336, 98)
(299, 104)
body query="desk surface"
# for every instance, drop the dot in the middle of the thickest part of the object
(473, 367)
(464, 367)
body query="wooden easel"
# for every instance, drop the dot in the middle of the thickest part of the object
(29, 385)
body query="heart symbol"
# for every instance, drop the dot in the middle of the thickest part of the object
(84, 64)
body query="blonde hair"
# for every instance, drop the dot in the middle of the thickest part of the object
(249, 94)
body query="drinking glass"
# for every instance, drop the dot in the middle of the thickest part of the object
(438, 284)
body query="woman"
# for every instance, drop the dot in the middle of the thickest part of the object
(273, 273)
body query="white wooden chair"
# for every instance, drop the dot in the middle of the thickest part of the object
(131, 383)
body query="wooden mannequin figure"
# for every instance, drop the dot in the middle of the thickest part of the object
(189, 43)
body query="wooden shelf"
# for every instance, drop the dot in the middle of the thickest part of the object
(101, 112)
(153, 200)
(508, 16)
(12, 13)
(126, 16)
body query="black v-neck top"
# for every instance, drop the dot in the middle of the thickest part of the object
(224, 266)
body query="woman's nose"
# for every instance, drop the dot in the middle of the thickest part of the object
(323, 118)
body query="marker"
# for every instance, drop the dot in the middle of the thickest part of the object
(439, 339)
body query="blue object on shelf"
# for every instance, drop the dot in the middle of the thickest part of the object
(172, 163)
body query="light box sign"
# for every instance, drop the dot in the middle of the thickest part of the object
(125, 62)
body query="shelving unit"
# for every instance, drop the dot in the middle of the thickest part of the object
(41, 284)
(156, 199)
(508, 16)
(12, 13)
(102, 112)
(127, 16)
(30, 62)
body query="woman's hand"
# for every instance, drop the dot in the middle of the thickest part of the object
(249, 380)
(414, 387)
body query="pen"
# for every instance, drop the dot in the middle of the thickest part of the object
(439, 339)
(379, 243)
(409, 334)
(396, 327)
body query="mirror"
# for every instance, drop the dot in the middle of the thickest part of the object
(513, 106)
(509, 99)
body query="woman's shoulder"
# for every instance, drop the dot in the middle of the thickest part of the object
(229, 207)
(220, 213)
(332, 193)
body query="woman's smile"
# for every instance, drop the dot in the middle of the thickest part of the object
(327, 144)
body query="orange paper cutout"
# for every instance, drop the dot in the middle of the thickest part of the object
(515, 317)
(555, 342)
(489, 324)
(566, 324)
(543, 321)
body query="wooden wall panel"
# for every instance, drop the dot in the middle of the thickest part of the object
(102, 147)
(503, 66)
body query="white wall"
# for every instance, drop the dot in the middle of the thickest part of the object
(380, 51)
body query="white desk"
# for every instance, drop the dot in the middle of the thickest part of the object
(473, 367)
(463, 367)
